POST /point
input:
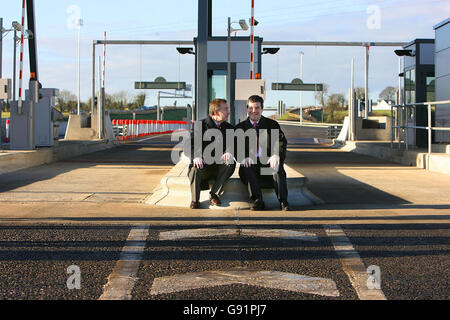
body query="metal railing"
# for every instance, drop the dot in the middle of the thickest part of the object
(402, 115)
(334, 131)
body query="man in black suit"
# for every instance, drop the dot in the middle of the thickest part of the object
(204, 167)
(255, 170)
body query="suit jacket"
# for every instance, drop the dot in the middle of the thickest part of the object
(267, 124)
(207, 124)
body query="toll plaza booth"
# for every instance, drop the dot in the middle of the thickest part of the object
(419, 85)
(217, 71)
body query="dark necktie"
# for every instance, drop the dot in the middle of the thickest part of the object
(255, 126)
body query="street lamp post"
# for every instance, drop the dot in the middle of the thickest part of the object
(244, 27)
(1, 47)
(16, 27)
(79, 25)
(301, 92)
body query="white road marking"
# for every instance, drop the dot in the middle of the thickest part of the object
(124, 276)
(266, 279)
(195, 233)
(217, 232)
(352, 264)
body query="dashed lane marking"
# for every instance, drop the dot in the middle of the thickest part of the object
(352, 264)
(124, 276)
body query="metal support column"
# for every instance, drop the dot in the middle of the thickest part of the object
(201, 95)
(232, 111)
(93, 78)
(14, 65)
(366, 76)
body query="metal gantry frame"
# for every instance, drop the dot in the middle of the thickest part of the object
(128, 42)
(366, 45)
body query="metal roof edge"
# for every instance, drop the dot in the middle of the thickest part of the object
(441, 24)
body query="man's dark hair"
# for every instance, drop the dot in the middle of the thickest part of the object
(215, 105)
(255, 99)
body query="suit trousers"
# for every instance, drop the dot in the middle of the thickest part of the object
(253, 178)
(199, 178)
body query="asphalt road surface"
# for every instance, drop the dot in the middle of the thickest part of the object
(34, 260)
(240, 260)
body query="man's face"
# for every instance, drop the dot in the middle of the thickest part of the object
(223, 114)
(254, 110)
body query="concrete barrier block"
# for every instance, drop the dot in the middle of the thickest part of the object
(174, 191)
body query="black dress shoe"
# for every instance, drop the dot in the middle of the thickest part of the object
(215, 201)
(259, 206)
(195, 205)
(284, 206)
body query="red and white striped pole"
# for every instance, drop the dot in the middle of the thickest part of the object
(7, 131)
(104, 62)
(21, 58)
(252, 43)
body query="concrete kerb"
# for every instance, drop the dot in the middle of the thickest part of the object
(174, 191)
(436, 162)
(11, 161)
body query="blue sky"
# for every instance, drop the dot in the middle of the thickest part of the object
(284, 20)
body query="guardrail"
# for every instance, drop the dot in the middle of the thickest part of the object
(334, 131)
(398, 119)
(133, 129)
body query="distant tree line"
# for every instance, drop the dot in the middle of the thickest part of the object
(335, 106)
(67, 102)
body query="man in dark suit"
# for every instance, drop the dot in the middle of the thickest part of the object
(204, 167)
(255, 170)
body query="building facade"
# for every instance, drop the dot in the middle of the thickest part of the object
(442, 54)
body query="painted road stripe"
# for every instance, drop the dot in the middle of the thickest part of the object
(352, 264)
(265, 279)
(124, 276)
(256, 233)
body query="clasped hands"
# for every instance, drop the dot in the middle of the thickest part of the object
(274, 161)
(199, 164)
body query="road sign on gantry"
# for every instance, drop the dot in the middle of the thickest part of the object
(160, 84)
(297, 85)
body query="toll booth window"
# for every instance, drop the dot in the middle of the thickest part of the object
(410, 86)
(431, 92)
(218, 85)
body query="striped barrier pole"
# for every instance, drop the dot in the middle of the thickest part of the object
(7, 131)
(21, 59)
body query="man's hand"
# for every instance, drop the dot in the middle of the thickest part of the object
(227, 157)
(274, 162)
(198, 163)
(247, 163)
